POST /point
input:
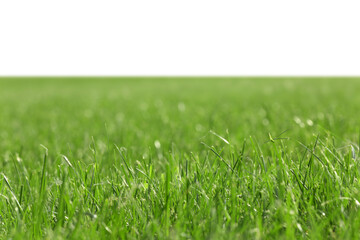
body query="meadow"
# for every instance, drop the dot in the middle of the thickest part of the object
(179, 158)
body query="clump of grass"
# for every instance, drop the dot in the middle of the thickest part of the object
(179, 158)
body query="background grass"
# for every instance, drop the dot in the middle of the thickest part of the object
(179, 158)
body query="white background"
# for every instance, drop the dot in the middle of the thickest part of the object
(184, 37)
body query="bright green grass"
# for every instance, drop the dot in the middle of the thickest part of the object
(179, 158)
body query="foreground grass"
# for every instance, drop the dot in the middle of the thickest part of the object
(179, 158)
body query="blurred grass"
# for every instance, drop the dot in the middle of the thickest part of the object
(61, 109)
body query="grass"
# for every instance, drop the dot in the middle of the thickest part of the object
(179, 158)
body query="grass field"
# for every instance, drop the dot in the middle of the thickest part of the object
(179, 158)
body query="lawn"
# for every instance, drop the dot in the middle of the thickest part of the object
(179, 158)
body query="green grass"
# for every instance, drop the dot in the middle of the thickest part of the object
(173, 158)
